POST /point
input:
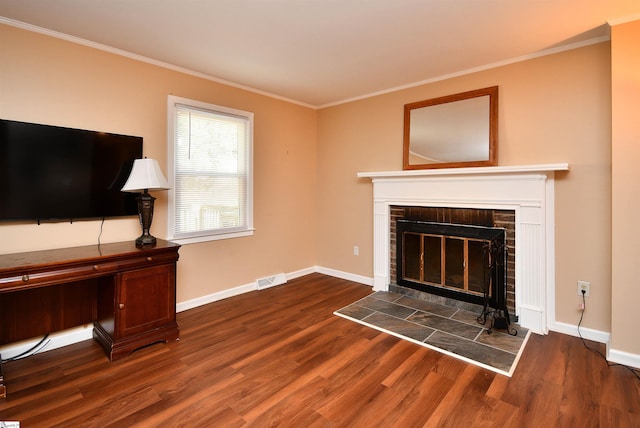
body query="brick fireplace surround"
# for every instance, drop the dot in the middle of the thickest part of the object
(527, 190)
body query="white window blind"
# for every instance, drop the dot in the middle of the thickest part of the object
(211, 196)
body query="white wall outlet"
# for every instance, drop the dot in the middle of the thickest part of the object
(584, 285)
(356, 250)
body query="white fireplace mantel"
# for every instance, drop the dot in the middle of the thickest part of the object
(528, 190)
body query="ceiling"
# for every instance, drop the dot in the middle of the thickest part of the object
(324, 52)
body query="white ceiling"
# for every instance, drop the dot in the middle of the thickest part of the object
(323, 52)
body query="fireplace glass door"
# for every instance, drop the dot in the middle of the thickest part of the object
(452, 262)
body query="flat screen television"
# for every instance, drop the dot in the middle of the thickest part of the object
(51, 173)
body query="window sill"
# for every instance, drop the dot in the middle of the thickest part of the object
(199, 239)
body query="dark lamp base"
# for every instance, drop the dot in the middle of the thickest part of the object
(146, 241)
(145, 213)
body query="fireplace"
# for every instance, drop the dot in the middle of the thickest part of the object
(456, 261)
(527, 191)
(456, 253)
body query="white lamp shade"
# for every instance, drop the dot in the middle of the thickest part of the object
(145, 175)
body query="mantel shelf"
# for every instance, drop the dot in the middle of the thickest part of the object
(516, 169)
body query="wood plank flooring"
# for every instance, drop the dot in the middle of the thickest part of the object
(279, 357)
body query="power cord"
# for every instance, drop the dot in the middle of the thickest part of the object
(584, 308)
(34, 350)
(100, 234)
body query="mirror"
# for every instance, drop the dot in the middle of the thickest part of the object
(459, 130)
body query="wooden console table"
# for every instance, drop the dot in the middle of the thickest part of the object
(128, 293)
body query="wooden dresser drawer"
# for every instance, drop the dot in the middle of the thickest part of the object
(33, 278)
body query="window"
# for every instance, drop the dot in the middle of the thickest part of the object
(210, 171)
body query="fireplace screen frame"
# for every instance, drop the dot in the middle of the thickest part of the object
(495, 273)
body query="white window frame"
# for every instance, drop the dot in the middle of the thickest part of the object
(248, 230)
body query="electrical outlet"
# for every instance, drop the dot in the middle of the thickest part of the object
(356, 250)
(584, 286)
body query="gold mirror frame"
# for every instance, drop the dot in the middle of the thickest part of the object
(486, 122)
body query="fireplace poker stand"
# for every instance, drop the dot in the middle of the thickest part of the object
(499, 316)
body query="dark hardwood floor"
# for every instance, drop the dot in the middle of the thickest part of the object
(278, 357)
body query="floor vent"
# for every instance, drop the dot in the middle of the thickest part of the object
(270, 281)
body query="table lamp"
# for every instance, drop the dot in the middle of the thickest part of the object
(145, 175)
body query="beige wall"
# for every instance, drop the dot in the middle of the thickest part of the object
(51, 81)
(626, 184)
(552, 109)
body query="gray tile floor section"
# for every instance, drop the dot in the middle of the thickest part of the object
(454, 330)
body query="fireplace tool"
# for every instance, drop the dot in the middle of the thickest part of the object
(499, 316)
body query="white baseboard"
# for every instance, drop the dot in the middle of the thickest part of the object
(613, 355)
(587, 333)
(230, 292)
(54, 341)
(301, 272)
(345, 275)
(214, 297)
(241, 289)
(624, 358)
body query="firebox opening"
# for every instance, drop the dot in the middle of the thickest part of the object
(461, 262)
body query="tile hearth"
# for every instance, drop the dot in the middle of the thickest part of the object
(447, 329)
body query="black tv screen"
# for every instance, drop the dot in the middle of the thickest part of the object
(55, 173)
